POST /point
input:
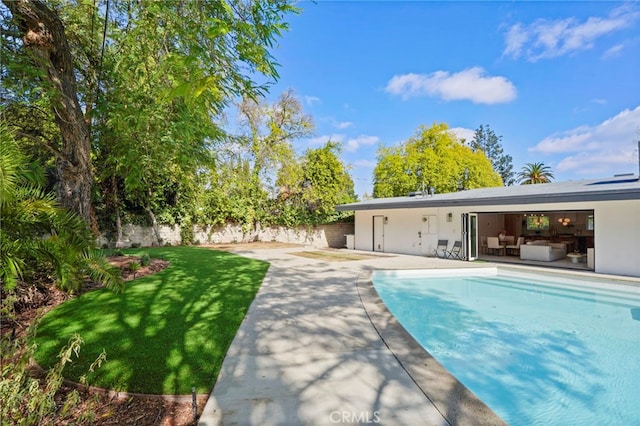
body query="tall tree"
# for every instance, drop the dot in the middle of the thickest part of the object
(44, 38)
(312, 187)
(485, 140)
(270, 131)
(432, 158)
(176, 59)
(533, 173)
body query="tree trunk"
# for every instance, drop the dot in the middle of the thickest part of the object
(45, 39)
(116, 209)
(154, 225)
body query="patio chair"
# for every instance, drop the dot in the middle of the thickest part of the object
(494, 245)
(515, 248)
(455, 252)
(441, 249)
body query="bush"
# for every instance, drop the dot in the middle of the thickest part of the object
(28, 401)
(38, 235)
(145, 259)
(133, 266)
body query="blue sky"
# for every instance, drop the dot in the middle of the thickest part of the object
(559, 81)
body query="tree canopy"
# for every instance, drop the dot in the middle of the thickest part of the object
(135, 85)
(485, 140)
(533, 173)
(432, 158)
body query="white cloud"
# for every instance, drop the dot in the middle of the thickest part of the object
(343, 125)
(353, 144)
(350, 145)
(368, 164)
(620, 160)
(596, 149)
(321, 140)
(310, 100)
(470, 84)
(613, 51)
(552, 38)
(463, 133)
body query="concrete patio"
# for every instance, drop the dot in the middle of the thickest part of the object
(317, 347)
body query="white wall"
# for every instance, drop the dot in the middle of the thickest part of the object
(617, 237)
(143, 236)
(401, 232)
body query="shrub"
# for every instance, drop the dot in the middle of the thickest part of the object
(133, 266)
(38, 235)
(28, 401)
(145, 259)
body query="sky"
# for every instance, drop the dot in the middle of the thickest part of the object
(559, 82)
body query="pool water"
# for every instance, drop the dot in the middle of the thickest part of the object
(537, 350)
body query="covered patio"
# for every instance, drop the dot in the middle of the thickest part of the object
(570, 234)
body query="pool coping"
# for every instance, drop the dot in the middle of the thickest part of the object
(455, 402)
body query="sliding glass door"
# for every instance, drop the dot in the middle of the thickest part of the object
(470, 235)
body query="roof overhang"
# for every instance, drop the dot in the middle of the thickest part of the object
(505, 196)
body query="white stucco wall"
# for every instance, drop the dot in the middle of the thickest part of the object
(616, 235)
(143, 236)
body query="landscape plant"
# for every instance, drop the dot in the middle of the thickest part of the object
(39, 236)
(25, 401)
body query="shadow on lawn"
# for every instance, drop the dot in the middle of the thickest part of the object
(167, 332)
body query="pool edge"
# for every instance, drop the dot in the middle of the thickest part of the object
(457, 404)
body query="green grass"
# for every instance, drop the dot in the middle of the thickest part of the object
(167, 332)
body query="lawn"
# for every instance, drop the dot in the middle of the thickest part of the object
(167, 332)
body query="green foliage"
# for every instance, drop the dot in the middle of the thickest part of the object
(154, 93)
(133, 266)
(485, 140)
(26, 400)
(534, 173)
(186, 231)
(312, 187)
(38, 235)
(145, 259)
(167, 94)
(432, 158)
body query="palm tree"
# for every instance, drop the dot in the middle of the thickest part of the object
(36, 234)
(533, 173)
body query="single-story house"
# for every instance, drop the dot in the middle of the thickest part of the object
(598, 217)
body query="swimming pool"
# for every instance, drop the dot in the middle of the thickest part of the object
(548, 351)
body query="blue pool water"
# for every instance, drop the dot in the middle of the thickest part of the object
(537, 350)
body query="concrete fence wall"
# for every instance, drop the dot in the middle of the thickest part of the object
(319, 236)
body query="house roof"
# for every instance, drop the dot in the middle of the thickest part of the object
(621, 187)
